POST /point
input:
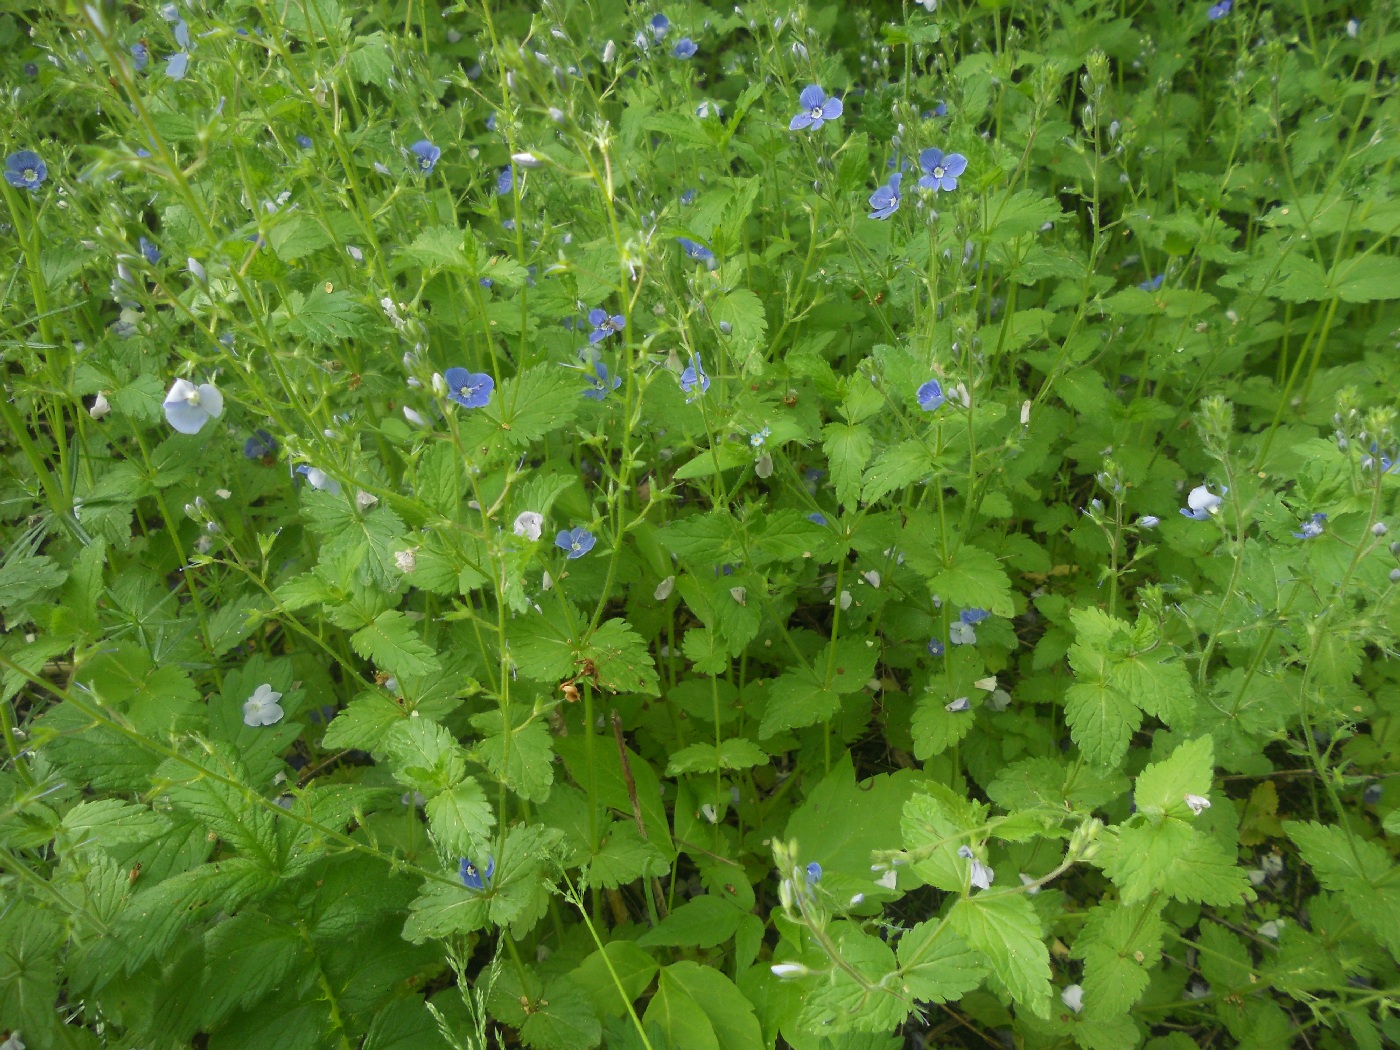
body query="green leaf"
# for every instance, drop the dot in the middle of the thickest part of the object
(935, 965)
(934, 825)
(843, 821)
(1006, 929)
(730, 1014)
(869, 1002)
(425, 756)
(524, 409)
(1120, 945)
(322, 317)
(737, 753)
(634, 969)
(743, 312)
(895, 467)
(1174, 858)
(1359, 871)
(624, 856)
(795, 700)
(622, 659)
(1367, 278)
(393, 644)
(461, 819)
(975, 580)
(521, 757)
(678, 1017)
(847, 447)
(438, 248)
(712, 461)
(364, 723)
(1163, 786)
(562, 1019)
(702, 922)
(1101, 720)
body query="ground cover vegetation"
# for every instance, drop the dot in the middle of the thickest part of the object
(699, 526)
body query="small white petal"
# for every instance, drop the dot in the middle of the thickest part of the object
(664, 588)
(1073, 997)
(1198, 803)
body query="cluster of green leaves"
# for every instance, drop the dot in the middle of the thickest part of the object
(869, 716)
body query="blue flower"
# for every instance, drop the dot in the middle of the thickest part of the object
(930, 395)
(885, 200)
(935, 647)
(659, 25)
(182, 33)
(817, 109)
(469, 389)
(694, 377)
(261, 445)
(598, 383)
(304, 141)
(140, 56)
(490, 122)
(697, 251)
(1218, 11)
(817, 518)
(940, 110)
(189, 407)
(973, 616)
(1153, 283)
(505, 181)
(603, 325)
(1149, 521)
(575, 542)
(1312, 528)
(962, 634)
(427, 155)
(685, 48)
(814, 873)
(149, 251)
(688, 197)
(25, 170)
(759, 438)
(177, 64)
(941, 172)
(474, 878)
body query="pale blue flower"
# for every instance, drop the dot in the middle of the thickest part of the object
(694, 377)
(599, 382)
(1312, 528)
(427, 155)
(189, 407)
(25, 170)
(575, 542)
(469, 389)
(177, 65)
(941, 172)
(930, 395)
(817, 109)
(1201, 503)
(885, 199)
(697, 251)
(685, 48)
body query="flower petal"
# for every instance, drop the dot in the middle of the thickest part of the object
(812, 96)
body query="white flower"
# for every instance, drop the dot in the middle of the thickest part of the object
(1031, 888)
(526, 160)
(189, 407)
(887, 880)
(414, 417)
(710, 813)
(546, 582)
(872, 577)
(986, 684)
(609, 52)
(788, 969)
(262, 708)
(528, 524)
(1073, 997)
(1201, 501)
(739, 595)
(664, 588)
(856, 899)
(100, 407)
(364, 500)
(1198, 803)
(405, 561)
(981, 875)
(845, 600)
(1272, 929)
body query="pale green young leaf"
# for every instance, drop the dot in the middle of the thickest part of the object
(730, 1013)
(1101, 721)
(1120, 946)
(425, 756)
(862, 995)
(795, 700)
(935, 824)
(634, 969)
(1177, 860)
(1163, 786)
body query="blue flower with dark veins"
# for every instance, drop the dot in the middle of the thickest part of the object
(697, 251)
(817, 518)
(973, 616)
(941, 172)
(599, 383)
(25, 170)
(1312, 528)
(885, 199)
(603, 324)
(817, 109)
(427, 155)
(469, 389)
(474, 878)
(930, 395)
(1218, 11)
(694, 381)
(575, 542)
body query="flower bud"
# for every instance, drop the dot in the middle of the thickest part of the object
(100, 407)
(405, 561)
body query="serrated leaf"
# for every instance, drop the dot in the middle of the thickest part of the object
(1006, 929)
(461, 819)
(521, 757)
(895, 467)
(1360, 872)
(1175, 859)
(795, 700)
(395, 646)
(847, 448)
(323, 317)
(975, 580)
(935, 965)
(425, 756)
(1101, 721)
(364, 723)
